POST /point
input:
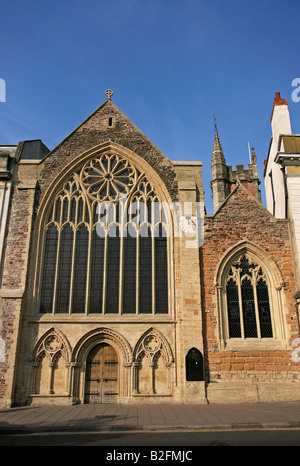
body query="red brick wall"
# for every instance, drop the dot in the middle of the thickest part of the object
(242, 218)
(247, 184)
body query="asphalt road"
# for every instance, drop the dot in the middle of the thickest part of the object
(187, 440)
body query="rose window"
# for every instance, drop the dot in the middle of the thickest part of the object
(108, 177)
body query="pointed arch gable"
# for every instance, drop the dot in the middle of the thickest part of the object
(96, 129)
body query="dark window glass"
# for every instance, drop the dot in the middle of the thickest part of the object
(233, 309)
(80, 270)
(94, 289)
(64, 270)
(264, 309)
(97, 268)
(129, 272)
(73, 211)
(95, 210)
(161, 273)
(149, 211)
(48, 279)
(80, 211)
(65, 210)
(145, 271)
(57, 210)
(250, 327)
(112, 272)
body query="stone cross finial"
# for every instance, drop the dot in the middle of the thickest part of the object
(109, 93)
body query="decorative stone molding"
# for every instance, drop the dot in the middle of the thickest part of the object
(102, 334)
(153, 342)
(52, 343)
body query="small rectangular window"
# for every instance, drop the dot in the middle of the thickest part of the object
(110, 122)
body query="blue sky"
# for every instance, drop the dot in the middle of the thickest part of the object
(172, 66)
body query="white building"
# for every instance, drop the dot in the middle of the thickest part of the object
(282, 175)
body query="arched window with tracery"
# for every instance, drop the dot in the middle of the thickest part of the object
(248, 300)
(105, 243)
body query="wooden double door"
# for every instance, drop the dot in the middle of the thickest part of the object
(102, 379)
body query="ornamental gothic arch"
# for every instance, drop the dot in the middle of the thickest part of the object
(117, 286)
(104, 247)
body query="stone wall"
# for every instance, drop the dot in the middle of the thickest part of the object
(96, 130)
(14, 281)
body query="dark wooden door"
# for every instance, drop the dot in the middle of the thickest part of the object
(101, 375)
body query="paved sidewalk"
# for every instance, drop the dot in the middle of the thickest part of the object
(115, 417)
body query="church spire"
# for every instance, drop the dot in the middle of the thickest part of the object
(218, 154)
(220, 184)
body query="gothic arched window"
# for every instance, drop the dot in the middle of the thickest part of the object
(105, 243)
(248, 300)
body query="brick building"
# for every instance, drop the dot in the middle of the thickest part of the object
(117, 287)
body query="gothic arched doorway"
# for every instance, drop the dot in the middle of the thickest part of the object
(102, 375)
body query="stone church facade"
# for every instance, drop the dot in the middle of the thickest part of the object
(116, 286)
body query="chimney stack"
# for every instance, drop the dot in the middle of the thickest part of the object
(280, 118)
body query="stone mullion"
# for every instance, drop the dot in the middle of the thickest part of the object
(222, 321)
(89, 265)
(121, 270)
(153, 271)
(72, 271)
(254, 283)
(241, 306)
(104, 273)
(137, 310)
(59, 231)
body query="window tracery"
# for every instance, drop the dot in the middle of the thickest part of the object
(248, 300)
(105, 243)
(108, 177)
